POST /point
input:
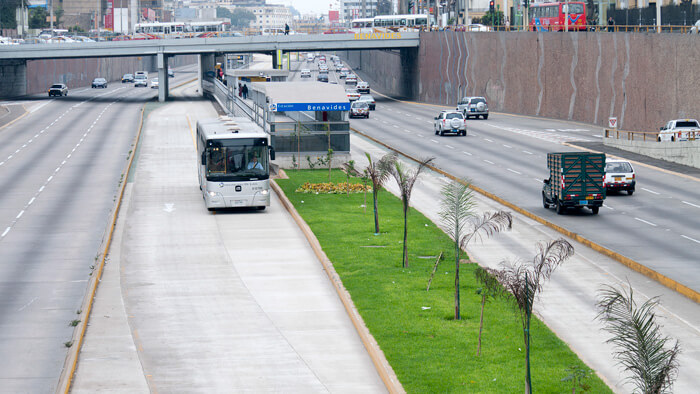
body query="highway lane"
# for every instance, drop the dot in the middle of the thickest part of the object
(62, 166)
(659, 226)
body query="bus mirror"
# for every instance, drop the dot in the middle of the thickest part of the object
(272, 153)
(204, 158)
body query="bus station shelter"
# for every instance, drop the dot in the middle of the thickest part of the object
(305, 120)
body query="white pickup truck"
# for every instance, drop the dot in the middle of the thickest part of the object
(679, 130)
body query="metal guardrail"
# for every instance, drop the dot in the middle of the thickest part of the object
(631, 135)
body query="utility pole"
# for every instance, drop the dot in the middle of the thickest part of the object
(51, 16)
(566, 16)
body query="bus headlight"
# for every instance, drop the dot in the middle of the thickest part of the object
(212, 194)
(264, 192)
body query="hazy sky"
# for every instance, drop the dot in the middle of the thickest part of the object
(317, 7)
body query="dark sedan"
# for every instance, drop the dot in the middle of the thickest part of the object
(128, 78)
(99, 83)
(58, 89)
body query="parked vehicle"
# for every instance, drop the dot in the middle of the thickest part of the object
(619, 175)
(575, 181)
(679, 130)
(450, 122)
(99, 83)
(58, 89)
(359, 109)
(363, 87)
(369, 100)
(473, 106)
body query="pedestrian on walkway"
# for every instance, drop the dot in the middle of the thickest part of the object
(245, 91)
(286, 29)
(240, 90)
(611, 24)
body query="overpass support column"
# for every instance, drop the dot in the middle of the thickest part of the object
(206, 63)
(162, 77)
(13, 78)
(274, 60)
(409, 73)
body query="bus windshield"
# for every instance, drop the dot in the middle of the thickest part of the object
(236, 160)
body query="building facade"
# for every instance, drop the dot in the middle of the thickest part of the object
(353, 9)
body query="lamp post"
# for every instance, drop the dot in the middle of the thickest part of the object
(51, 16)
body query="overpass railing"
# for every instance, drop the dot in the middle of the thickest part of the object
(631, 135)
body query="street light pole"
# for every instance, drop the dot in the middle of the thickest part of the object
(51, 16)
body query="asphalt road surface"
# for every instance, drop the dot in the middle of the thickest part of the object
(60, 169)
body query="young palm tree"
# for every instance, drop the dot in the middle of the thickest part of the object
(641, 348)
(457, 214)
(405, 179)
(490, 288)
(524, 282)
(378, 172)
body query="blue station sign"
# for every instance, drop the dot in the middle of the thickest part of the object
(283, 107)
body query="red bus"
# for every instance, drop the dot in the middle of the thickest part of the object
(551, 16)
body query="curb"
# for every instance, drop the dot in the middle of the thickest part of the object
(386, 373)
(648, 272)
(71, 361)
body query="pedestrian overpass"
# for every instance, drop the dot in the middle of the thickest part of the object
(16, 56)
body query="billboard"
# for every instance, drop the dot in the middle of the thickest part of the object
(333, 16)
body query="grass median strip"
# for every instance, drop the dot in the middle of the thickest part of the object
(426, 347)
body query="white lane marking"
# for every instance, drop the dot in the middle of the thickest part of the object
(467, 153)
(449, 146)
(538, 180)
(20, 214)
(515, 172)
(31, 201)
(7, 230)
(691, 204)
(408, 131)
(27, 304)
(435, 141)
(644, 221)
(651, 191)
(420, 135)
(490, 162)
(692, 239)
(507, 146)
(610, 208)
(396, 126)
(427, 121)
(488, 140)
(598, 135)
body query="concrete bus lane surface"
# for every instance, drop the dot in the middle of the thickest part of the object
(506, 155)
(225, 302)
(567, 303)
(60, 168)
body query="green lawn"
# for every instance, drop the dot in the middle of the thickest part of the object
(429, 350)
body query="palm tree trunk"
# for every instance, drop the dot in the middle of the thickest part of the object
(457, 314)
(481, 323)
(405, 234)
(376, 211)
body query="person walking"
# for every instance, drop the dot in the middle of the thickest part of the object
(286, 29)
(245, 91)
(240, 90)
(611, 23)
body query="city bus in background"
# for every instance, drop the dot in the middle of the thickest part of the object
(392, 23)
(233, 157)
(552, 16)
(362, 25)
(161, 29)
(208, 29)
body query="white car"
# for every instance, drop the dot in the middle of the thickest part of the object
(305, 73)
(619, 175)
(352, 94)
(450, 122)
(351, 79)
(310, 57)
(363, 87)
(154, 83)
(140, 80)
(473, 106)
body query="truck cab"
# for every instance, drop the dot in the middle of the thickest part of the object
(679, 130)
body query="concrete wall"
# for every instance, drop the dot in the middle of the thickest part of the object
(643, 79)
(13, 78)
(80, 72)
(682, 152)
(394, 71)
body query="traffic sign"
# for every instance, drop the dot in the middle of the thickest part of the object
(612, 123)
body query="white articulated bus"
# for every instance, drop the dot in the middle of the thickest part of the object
(233, 156)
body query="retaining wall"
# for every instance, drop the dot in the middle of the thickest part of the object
(643, 79)
(682, 152)
(80, 72)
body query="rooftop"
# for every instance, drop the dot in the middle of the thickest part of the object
(301, 92)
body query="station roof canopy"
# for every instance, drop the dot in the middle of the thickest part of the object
(308, 92)
(257, 72)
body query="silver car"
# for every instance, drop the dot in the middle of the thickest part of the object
(473, 106)
(450, 122)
